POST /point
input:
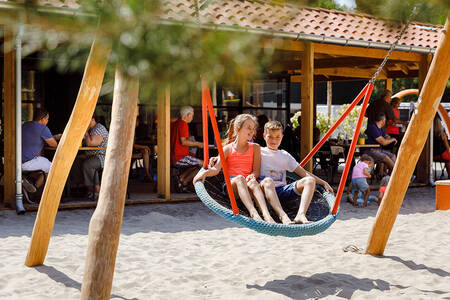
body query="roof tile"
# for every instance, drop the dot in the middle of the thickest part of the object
(289, 18)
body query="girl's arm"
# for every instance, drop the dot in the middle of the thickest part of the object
(366, 172)
(211, 171)
(303, 173)
(256, 160)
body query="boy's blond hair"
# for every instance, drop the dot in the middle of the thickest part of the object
(273, 125)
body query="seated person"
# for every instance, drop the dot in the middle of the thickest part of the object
(180, 143)
(142, 151)
(381, 106)
(34, 135)
(376, 135)
(393, 126)
(259, 136)
(441, 149)
(275, 162)
(86, 164)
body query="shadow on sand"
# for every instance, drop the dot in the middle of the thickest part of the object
(60, 277)
(326, 284)
(415, 267)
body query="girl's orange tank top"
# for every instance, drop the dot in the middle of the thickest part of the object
(240, 163)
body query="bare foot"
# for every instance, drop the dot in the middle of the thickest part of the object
(285, 219)
(301, 220)
(255, 215)
(269, 219)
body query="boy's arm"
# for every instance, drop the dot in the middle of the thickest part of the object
(303, 173)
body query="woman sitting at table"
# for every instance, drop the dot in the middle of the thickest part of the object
(86, 166)
(441, 149)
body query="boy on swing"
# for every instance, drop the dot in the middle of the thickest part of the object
(275, 163)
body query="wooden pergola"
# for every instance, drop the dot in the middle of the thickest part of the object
(307, 58)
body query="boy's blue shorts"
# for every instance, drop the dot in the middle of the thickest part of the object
(287, 192)
(359, 184)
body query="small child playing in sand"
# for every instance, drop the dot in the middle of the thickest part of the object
(383, 185)
(361, 171)
(243, 159)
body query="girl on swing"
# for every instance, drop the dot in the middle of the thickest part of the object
(243, 160)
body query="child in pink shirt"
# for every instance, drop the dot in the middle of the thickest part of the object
(361, 171)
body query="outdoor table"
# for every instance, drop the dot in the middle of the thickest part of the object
(80, 148)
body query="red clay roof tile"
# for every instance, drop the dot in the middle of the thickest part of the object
(292, 19)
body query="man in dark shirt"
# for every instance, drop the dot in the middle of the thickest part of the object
(376, 135)
(381, 106)
(35, 134)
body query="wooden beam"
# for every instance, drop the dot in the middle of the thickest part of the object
(307, 87)
(66, 152)
(388, 84)
(163, 138)
(282, 44)
(104, 228)
(414, 140)
(9, 117)
(403, 68)
(348, 72)
(365, 52)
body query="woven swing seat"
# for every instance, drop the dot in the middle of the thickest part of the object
(212, 195)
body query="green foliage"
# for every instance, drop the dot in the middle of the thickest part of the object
(294, 119)
(323, 123)
(347, 128)
(434, 12)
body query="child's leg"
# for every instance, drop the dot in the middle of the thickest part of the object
(268, 186)
(366, 196)
(306, 187)
(258, 195)
(239, 185)
(355, 197)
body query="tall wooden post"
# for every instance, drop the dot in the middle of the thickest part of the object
(9, 118)
(307, 102)
(163, 137)
(66, 152)
(388, 84)
(423, 165)
(413, 142)
(104, 228)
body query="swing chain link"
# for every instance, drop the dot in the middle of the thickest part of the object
(391, 49)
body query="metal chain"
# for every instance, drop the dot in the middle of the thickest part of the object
(391, 49)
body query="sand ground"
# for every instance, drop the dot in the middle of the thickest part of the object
(184, 251)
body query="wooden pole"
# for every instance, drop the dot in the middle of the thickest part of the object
(163, 138)
(9, 117)
(412, 144)
(104, 228)
(66, 152)
(307, 102)
(388, 84)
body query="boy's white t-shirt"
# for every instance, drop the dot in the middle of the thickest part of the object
(275, 163)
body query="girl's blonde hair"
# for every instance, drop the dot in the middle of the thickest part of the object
(236, 124)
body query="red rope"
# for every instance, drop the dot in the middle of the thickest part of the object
(335, 125)
(368, 88)
(207, 103)
(205, 129)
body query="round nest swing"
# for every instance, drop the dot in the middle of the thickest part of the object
(212, 195)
